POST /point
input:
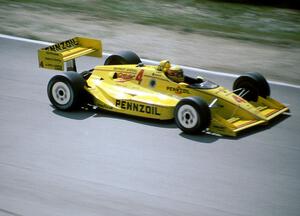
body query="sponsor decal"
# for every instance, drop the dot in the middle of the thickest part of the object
(52, 54)
(131, 70)
(124, 69)
(221, 90)
(238, 99)
(119, 69)
(52, 59)
(178, 90)
(156, 77)
(152, 83)
(48, 65)
(63, 45)
(136, 107)
(124, 76)
(156, 74)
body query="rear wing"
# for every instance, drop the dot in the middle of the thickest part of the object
(54, 56)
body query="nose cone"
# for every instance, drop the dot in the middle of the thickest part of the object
(235, 106)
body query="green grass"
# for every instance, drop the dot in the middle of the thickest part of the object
(259, 24)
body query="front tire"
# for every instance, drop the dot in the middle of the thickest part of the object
(192, 115)
(253, 83)
(64, 90)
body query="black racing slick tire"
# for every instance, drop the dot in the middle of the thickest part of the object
(192, 115)
(251, 85)
(65, 91)
(123, 57)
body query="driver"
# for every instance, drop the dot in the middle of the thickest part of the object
(174, 73)
(164, 65)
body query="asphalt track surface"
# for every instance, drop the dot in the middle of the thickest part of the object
(98, 163)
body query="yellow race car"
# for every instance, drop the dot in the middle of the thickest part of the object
(125, 85)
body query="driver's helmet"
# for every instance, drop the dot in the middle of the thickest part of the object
(175, 73)
(164, 65)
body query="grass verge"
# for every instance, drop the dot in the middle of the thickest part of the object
(238, 21)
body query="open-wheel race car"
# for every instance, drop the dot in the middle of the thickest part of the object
(125, 85)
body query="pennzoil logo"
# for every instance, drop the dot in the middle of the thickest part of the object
(63, 45)
(142, 108)
(178, 90)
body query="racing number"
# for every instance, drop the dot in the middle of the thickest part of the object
(139, 77)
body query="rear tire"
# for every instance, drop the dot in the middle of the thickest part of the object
(65, 90)
(123, 57)
(192, 115)
(254, 83)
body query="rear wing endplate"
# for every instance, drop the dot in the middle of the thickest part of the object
(54, 56)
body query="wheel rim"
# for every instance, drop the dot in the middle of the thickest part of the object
(187, 116)
(61, 93)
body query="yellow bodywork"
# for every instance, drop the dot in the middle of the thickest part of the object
(145, 91)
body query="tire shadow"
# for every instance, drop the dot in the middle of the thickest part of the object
(74, 114)
(204, 137)
(136, 119)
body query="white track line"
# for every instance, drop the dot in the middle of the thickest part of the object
(153, 62)
(24, 39)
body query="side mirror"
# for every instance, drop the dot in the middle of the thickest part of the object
(199, 79)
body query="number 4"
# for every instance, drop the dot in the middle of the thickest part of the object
(139, 76)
